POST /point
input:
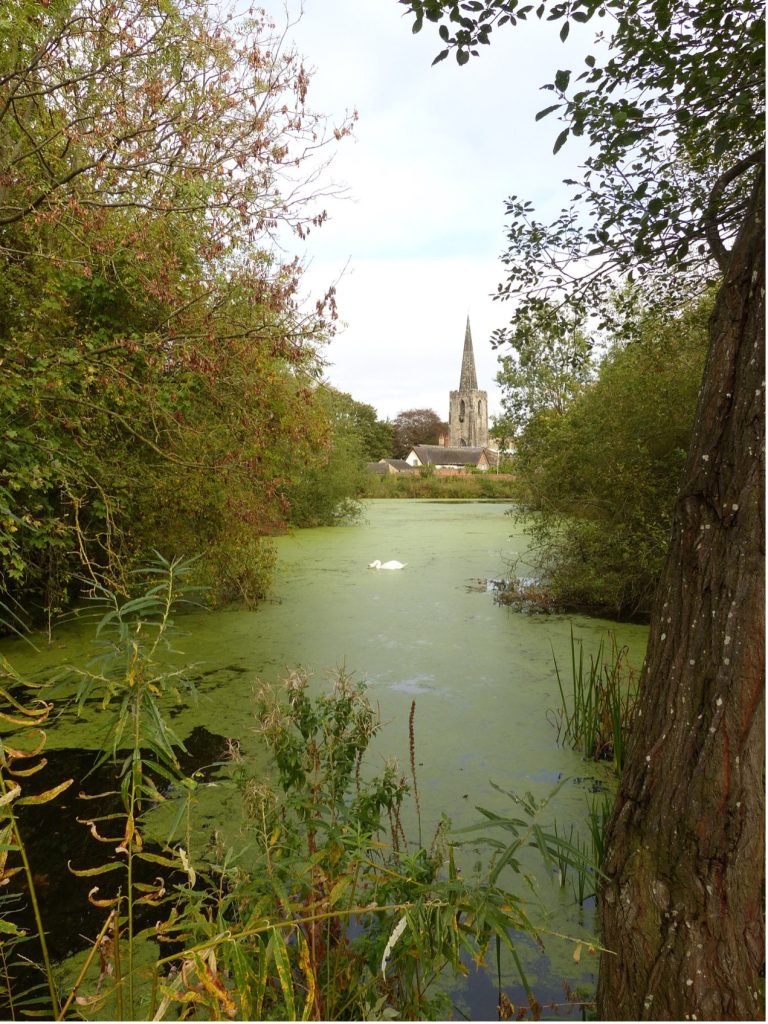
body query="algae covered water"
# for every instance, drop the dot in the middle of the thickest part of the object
(482, 677)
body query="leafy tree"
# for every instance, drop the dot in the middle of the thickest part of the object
(601, 477)
(416, 426)
(158, 374)
(374, 435)
(673, 192)
(549, 364)
(334, 472)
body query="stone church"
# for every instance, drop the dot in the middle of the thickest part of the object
(466, 445)
(468, 409)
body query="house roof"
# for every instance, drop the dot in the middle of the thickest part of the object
(437, 455)
(384, 466)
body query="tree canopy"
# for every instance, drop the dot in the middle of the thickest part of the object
(416, 426)
(548, 365)
(597, 477)
(159, 374)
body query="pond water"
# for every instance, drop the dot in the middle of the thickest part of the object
(481, 675)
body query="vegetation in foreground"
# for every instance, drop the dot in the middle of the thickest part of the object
(323, 909)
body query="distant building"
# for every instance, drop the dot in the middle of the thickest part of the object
(444, 458)
(468, 409)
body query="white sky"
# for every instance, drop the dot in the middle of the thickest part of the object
(435, 153)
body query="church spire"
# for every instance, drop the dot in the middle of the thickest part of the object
(468, 409)
(468, 381)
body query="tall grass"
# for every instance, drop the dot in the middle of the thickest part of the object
(596, 712)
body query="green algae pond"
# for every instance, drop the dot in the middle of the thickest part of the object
(482, 677)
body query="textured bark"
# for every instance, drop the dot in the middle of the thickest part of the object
(682, 907)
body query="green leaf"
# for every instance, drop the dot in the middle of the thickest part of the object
(283, 965)
(562, 78)
(7, 928)
(547, 110)
(560, 141)
(102, 869)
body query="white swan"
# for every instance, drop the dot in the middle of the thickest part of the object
(387, 565)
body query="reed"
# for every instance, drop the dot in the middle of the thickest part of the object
(596, 713)
(599, 810)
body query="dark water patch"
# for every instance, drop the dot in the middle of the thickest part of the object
(54, 838)
(590, 784)
(486, 997)
(227, 670)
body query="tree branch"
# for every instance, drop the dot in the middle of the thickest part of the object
(709, 218)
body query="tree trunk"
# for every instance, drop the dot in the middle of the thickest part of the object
(682, 906)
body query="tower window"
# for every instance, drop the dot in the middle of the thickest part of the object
(462, 411)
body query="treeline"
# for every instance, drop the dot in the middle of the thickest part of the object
(160, 384)
(602, 446)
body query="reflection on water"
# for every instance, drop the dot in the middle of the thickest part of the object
(482, 676)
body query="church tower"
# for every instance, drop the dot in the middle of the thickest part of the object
(468, 410)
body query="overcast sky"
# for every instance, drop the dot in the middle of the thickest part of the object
(435, 153)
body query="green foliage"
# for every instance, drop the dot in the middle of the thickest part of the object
(375, 435)
(332, 852)
(323, 494)
(548, 366)
(601, 479)
(468, 486)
